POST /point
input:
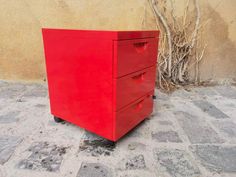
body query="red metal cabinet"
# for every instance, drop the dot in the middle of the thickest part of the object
(102, 81)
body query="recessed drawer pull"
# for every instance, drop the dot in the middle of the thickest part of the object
(139, 105)
(141, 46)
(133, 86)
(134, 55)
(139, 76)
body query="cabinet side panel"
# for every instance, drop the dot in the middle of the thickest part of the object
(80, 80)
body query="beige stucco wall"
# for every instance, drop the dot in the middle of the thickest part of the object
(21, 48)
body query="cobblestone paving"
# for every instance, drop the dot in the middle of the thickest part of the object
(191, 133)
(44, 157)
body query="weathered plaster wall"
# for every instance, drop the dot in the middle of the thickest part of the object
(220, 37)
(21, 48)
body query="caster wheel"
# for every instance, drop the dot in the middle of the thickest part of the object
(58, 120)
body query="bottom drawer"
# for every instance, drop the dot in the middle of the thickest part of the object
(128, 117)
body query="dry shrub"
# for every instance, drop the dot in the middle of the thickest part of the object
(179, 49)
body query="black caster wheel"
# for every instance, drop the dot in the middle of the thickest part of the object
(58, 120)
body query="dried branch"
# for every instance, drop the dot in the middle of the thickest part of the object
(179, 45)
(196, 24)
(164, 22)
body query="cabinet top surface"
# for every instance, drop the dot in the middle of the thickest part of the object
(102, 34)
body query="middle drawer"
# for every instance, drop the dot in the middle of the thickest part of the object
(133, 86)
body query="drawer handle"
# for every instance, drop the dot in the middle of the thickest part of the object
(139, 77)
(139, 105)
(141, 46)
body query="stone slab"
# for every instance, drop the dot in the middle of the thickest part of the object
(166, 136)
(197, 130)
(216, 158)
(176, 162)
(227, 127)
(210, 109)
(9, 117)
(37, 91)
(12, 90)
(226, 91)
(94, 170)
(8, 145)
(136, 162)
(44, 157)
(96, 145)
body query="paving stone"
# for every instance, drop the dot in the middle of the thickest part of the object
(226, 91)
(94, 170)
(44, 157)
(136, 146)
(40, 105)
(136, 132)
(161, 96)
(139, 173)
(205, 91)
(12, 90)
(135, 163)
(231, 105)
(181, 93)
(228, 127)
(2, 173)
(166, 136)
(176, 162)
(9, 117)
(216, 158)
(142, 128)
(210, 109)
(2, 83)
(37, 91)
(8, 145)
(137, 143)
(197, 130)
(164, 106)
(165, 122)
(96, 145)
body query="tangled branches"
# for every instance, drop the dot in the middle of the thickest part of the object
(179, 50)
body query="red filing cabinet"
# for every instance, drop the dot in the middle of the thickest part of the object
(102, 81)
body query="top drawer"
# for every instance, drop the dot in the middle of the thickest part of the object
(133, 55)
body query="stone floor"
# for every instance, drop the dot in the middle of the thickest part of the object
(191, 133)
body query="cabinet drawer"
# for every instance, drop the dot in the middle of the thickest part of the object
(133, 86)
(134, 55)
(129, 117)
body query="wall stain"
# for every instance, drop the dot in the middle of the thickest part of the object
(21, 47)
(220, 54)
